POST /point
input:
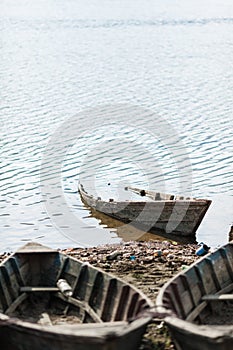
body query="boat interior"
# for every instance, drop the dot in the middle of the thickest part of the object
(49, 288)
(203, 293)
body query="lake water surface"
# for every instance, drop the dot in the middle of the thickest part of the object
(112, 92)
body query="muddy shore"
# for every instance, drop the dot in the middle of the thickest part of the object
(147, 265)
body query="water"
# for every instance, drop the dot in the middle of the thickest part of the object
(63, 62)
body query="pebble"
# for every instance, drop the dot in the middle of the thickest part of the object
(140, 253)
(113, 255)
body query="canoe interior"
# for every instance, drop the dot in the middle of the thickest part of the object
(201, 302)
(97, 297)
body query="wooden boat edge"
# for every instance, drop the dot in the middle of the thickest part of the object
(178, 325)
(100, 331)
(200, 201)
(93, 331)
(213, 332)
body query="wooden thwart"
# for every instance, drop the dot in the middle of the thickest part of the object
(216, 297)
(27, 289)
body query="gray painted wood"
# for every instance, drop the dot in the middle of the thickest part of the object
(172, 214)
(103, 313)
(200, 303)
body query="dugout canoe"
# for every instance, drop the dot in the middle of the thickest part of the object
(152, 210)
(200, 303)
(51, 301)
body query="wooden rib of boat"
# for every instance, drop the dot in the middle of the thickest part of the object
(51, 301)
(168, 213)
(200, 303)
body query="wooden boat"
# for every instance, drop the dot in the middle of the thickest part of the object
(168, 213)
(200, 303)
(51, 301)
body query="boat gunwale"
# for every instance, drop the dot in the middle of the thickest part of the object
(202, 330)
(122, 327)
(184, 325)
(85, 194)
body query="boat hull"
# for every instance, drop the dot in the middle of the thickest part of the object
(200, 303)
(177, 217)
(103, 313)
(15, 336)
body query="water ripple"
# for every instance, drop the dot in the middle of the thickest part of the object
(54, 64)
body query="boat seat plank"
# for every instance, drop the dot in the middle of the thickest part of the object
(216, 297)
(27, 289)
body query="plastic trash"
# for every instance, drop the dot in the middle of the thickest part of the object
(158, 253)
(202, 250)
(132, 258)
(64, 287)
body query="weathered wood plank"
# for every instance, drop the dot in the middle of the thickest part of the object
(215, 297)
(196, 312)
(16, 303)
(45, 319)
(28, 289)
(38, 271)
(81, 304)
(208, 324)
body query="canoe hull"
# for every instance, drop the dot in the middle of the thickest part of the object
(111, 314)
(205, 339)
(199, 318)
(15, 336)
(177, 217)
